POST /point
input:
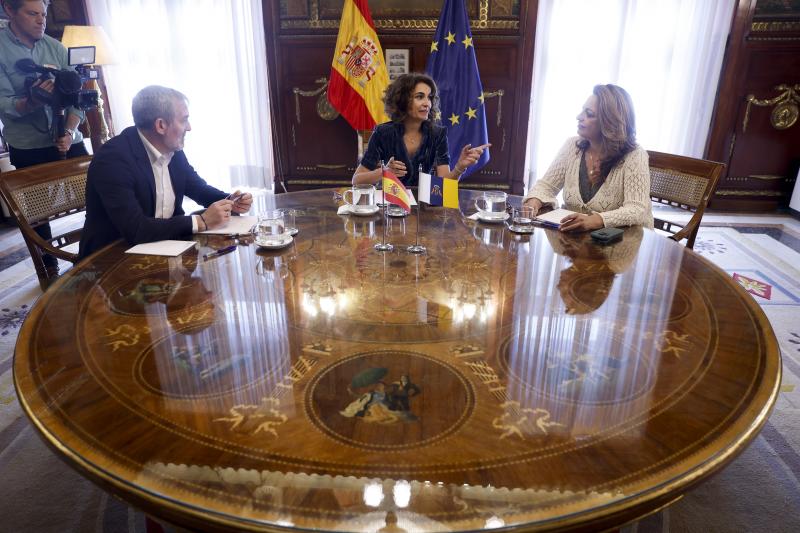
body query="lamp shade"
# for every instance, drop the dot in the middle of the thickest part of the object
(90, 36)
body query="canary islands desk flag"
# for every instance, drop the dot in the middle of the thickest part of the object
(453, 66)
(435, 190)
(394, 192)
(358, 72)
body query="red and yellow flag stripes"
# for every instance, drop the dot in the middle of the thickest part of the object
(394, 192)
(358, 72)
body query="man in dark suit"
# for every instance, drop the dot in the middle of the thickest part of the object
(137, 180)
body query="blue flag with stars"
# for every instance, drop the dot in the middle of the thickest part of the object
(453, 67)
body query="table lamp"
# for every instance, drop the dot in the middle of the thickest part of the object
(104, 55)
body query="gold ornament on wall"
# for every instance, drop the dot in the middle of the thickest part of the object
(324, 108)
(785, 111)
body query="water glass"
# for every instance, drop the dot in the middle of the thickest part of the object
(290, 221)
(362, 197)
(521, 220)
(492, 204)
(271, 228)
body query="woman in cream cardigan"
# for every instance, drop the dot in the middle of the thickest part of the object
(604, 173)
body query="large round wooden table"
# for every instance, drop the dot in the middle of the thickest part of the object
(537, 382)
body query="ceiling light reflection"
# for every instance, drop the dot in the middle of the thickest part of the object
(373, 494)
(401, 492)
(494, 523)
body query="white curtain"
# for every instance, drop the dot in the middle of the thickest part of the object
(667, 54)
(213, 51)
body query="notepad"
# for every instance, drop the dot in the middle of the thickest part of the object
(167, 248)
(553, 218)
(235, 226)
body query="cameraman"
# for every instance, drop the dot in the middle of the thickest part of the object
(28, 121)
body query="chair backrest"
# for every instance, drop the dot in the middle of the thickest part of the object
(686, 183)
(41, 194)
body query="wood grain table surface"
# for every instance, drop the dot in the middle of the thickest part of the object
(536, 382)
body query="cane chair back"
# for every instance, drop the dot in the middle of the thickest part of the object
(686, 183)
(41, 194)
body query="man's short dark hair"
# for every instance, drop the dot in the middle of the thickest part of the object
(16, 4)
(154, 102)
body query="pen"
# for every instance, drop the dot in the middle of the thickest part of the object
(221, 251)
(235, 197)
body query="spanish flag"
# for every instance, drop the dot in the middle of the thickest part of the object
(394, 192)
(358, 72)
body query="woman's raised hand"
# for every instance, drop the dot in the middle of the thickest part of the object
(469, 156)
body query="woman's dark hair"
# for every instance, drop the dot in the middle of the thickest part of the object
(398, 95)
(617, 125)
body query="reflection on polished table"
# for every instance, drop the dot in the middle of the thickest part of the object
(538, 382)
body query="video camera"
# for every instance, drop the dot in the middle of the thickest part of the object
(67, 85)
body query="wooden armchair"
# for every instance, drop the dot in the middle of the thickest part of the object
(39, 195)
(686, 183)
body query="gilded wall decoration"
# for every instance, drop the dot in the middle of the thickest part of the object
(784, 107)
(396, 8)
(777, 8)
(400, 14)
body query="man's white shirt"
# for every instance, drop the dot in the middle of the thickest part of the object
(165, 194)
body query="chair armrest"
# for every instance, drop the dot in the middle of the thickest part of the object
(689, 231)
(70, 238)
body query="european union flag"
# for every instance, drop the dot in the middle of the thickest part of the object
(453, 66)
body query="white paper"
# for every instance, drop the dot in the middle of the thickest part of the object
(475, 216)
(379, 197)
(235, 226)
(554, 217)
(168, 248)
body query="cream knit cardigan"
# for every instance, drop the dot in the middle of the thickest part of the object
(622, 200)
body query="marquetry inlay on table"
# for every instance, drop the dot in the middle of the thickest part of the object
(531, 382)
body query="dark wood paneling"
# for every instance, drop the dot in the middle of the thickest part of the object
(761, 160)
(318, 152)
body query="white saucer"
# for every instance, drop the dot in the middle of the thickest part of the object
(494, 219)
(274, 244)
(364, 211)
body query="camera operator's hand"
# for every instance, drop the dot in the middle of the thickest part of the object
(63, 143)
(46, 85)
(218, 213)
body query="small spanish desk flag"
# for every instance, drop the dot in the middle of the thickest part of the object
(394, 192)
(358, 71)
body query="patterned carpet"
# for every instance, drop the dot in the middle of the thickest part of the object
(759, 491)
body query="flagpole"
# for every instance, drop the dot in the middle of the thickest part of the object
(384, 246)
(417, 248)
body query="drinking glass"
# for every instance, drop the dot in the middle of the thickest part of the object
(290, 221)
(362, 197)
(271, 228)
(492, 204)
(521, 220)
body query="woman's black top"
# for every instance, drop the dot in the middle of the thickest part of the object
(387, 142)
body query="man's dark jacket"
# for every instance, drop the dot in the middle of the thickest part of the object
(121, 195)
